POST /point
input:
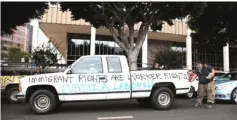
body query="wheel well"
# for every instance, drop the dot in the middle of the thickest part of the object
(10, 86)
(32, 89)
(169, 85)
(233, 90)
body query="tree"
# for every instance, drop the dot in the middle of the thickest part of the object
(4, 56)
(121, 17)
(18, 13)
(216, 26)
(15, 54)
(170, 58)
(44, 57)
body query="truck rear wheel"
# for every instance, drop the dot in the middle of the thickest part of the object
(11, 95)
(43, 102)
(162, 98)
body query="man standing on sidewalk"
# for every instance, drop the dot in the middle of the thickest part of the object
(205, 75)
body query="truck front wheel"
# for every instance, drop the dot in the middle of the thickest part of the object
(43, 102)
(162, 98)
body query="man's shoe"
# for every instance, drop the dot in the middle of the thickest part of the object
(197, 105)
(209, 106)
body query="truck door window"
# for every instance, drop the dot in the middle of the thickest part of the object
(88, 65)
(114, 65)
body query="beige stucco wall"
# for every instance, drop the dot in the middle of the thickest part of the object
(55, 16)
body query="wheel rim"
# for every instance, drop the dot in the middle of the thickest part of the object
(13, 95)
(164, 98)
(235, 96)
(190, 94)
(42, 102)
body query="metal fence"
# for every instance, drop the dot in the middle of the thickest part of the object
(7, 68)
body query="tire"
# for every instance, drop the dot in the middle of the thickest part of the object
(48, 102)
(58, 105)
(144, 102)
(167, 95)
(11, 95)
(191, 93)
(234, 96)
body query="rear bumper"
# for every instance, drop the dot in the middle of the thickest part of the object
(21, 98)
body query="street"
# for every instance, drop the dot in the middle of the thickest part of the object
(123, 110)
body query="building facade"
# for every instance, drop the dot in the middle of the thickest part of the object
(75, 38)
(21, 38)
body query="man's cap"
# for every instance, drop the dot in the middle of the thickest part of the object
(199, 62)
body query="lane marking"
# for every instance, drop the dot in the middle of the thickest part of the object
(113, 118)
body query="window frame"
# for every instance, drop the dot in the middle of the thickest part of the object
(119, 64)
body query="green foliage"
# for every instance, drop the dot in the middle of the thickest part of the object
(216, 26)
(4, 56)
(170, 58)
(44, 57)
(18, 13)
(15, 54)
(119, 14)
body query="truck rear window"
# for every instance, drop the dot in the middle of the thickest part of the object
(114, 65)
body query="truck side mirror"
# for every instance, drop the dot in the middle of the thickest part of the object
(69, 71)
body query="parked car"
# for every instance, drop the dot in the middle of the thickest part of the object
(219, 73)
(226, 87)
(102, 77)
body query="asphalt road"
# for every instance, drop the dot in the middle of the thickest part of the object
(122, 110)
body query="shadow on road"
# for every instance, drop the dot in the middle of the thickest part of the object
(101, 106)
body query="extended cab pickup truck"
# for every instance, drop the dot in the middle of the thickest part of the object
(102, 77)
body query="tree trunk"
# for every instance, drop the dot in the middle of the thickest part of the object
(132, 59)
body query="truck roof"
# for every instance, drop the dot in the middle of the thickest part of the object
(108, 55)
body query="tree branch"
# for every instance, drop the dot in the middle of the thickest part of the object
(111, 29)
(144, 17)
(124, 38)
(131, 34)
(141, 35)
(115, 6)
(120, 43)
(114, 12)
(152, 16)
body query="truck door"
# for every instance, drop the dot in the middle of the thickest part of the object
(118, 77)
(88, 80)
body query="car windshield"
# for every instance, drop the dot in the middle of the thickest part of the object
(228, 76)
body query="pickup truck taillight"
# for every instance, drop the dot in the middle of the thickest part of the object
(20, 88)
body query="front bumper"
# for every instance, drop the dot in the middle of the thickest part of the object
(21, 98)
(222, 95)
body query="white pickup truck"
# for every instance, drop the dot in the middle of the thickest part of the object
(102, 77)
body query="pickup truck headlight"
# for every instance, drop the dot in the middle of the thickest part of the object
(220, 87)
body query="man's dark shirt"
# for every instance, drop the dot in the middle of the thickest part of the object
(203, 74)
